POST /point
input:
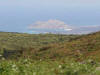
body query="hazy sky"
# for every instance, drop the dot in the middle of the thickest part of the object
(18, 15)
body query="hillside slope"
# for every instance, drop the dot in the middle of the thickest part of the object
(16, 41)
(87, 46)
(51, 46)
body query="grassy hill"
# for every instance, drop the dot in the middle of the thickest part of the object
(87, 46)
(16, 40)
(50, 54)
(52, 46)
(28, 42)
(83, 47)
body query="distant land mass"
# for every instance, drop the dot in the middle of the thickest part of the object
(77, 30)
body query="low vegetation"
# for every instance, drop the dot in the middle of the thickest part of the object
(47, 67)
(49, 54)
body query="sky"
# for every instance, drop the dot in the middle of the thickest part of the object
(53, 15)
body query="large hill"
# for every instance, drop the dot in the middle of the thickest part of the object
(80, 48)
(84, 47)
(16, 41)
(53, 46)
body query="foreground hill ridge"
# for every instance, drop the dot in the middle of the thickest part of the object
(53, 46)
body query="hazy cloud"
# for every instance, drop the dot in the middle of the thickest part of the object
(58, 26)
(50, 24)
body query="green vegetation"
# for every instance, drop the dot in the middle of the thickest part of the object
(31, 44)
(29, 67)
(18, 40)
(49, 54)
